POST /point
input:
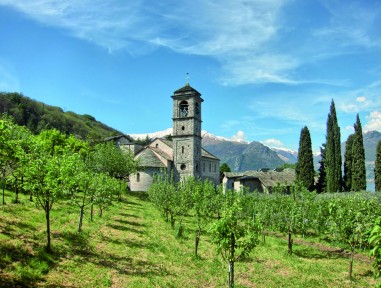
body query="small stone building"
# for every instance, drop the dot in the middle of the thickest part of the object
(263, 180)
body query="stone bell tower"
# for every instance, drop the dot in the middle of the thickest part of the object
(187, 132)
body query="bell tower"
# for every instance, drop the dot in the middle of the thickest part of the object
(187, 132)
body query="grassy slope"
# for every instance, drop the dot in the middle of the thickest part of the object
(132, 246)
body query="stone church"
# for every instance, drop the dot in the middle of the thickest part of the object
(181, 157)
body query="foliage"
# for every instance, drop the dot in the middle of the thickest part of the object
(224, 168)
(348, 163)
(305, 165)
(377, 169)
(233, 236)
(375, 252)
(358, 155)
(37, 116)
(321, 185)
(333, 153)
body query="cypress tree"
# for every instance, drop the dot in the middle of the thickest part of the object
(305, 165)
(348, 160)
(358, 159)
(321, 184)
(377, 168)
(333, 152)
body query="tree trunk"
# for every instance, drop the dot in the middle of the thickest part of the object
(47, 216)
(231, 262)
(100, 211)
(290, 243)
(196, 241)
(80, 219)
(263, 236)
(91, 212)
(350, 265)
(3, 188)
(172, 221)
(231, 274)
(17, 192)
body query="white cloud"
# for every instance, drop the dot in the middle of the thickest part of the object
(273, 143)
(374, 121)
(361, 99)
(239, 136)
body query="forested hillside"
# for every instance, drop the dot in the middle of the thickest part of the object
(37, 116)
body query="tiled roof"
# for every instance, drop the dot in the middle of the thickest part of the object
(147, 158)
(269, 179)
(161, 153)
(186, 88)
(206, 154)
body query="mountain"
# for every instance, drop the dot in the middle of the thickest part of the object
(287, 155)
(37, 116)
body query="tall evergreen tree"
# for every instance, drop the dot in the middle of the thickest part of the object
(348, 161)
(333, 152)
(377, 168)
(321, 184)
(358, 159)
(305, 165)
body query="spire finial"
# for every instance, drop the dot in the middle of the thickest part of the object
(187, 79)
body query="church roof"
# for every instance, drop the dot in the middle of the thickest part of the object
(147, 158)
(206, 154)
(186, 88)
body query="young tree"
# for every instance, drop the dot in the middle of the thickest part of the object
(233, 236)
(358, 156)
(377, 168)
(305, 165)
(205, 204)
(348, 162)
(333, 152)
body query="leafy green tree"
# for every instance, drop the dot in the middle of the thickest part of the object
(224, 168)
(358, 156)
(233, 236)
(375, 252)
(109, 159)
(206, 204)
(44, 178)
(377, 168)
(305, 165)
(348, 163)
(333, 152)
(5, 149)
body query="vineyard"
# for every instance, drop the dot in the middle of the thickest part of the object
(67, 219)
(132, 245)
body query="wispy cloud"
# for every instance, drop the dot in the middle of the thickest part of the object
(243, 36)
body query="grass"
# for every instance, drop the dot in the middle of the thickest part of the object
(132, 246)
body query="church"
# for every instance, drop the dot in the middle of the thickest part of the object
(183, 156)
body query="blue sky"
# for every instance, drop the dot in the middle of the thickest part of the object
(265, 68)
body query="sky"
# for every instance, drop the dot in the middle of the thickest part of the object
(265, 68)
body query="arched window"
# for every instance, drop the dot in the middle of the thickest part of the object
(138, 177)
(197, 108)
(183, 109)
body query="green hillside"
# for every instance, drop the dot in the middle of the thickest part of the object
(37, 116)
